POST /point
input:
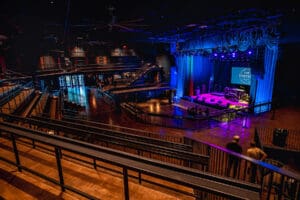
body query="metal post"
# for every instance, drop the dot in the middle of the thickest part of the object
(125, 179)
(95, 163)
(16, 152)
(281, 187)
(140, 177)
(139, 172)
(270, 185)
(59, 168)
(297, 188)
(245, 170)
(60, 153)
(33, 143)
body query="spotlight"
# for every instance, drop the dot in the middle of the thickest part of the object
(222, 56)
(249, 52)
(233, 54)
(215, 54)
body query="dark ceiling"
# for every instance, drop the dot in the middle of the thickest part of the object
(33, 26)
(158, 15)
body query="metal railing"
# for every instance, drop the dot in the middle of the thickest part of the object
(186, 121)
(11, 97)
(171, 138)
(204, 184)
(175, 153)
(263, 173)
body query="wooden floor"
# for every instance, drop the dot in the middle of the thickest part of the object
(99, 183)
(108, 185)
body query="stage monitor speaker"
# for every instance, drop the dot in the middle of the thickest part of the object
(279, 137)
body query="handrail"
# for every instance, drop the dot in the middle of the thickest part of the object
(93, 123)
(27, 112)
(7, 98)
(9, 91)
(123, 141)
(146, 117)
(224, 187)
(225, 111)
(263, 164)
(114, 132)
(40, 105)
(20, 108)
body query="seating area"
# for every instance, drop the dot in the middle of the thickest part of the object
(158, 169)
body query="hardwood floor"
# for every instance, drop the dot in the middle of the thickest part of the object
(100, 183)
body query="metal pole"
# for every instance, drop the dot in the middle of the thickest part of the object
(140, 174)
(270, 185)
(16, 152)
(95, 163)
(59, 168)
(125, 179)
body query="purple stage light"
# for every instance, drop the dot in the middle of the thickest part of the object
(215, 54)
(222, 56)
(249, 52)
(233, 54)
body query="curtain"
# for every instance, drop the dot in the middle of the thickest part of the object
(182, 63)
(202, 71)
(264, 91)
(193, 71)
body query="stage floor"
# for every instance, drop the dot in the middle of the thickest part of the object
(218, 99)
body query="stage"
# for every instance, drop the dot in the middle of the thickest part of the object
(218, 100)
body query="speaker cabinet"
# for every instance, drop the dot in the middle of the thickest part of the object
(279, 137)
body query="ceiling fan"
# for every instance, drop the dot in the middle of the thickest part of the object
(133, 25)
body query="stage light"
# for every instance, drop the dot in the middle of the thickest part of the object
(233, 54)
(249, 52)
(222, 56)
(215, 54)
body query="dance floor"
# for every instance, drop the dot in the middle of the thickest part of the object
(178, 108)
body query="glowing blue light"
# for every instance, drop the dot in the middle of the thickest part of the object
(233, 54)
(222, 56)
(215, 54)
(249, 52)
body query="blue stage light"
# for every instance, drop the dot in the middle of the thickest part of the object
(222, 56)
(215, 54)
(249, 52)
(233, 54)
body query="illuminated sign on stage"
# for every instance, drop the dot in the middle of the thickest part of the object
(241, 75)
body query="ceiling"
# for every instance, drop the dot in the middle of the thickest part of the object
(156, 13)
(86, 19)
(35, 26)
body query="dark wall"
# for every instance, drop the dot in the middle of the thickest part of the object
(287, 76)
